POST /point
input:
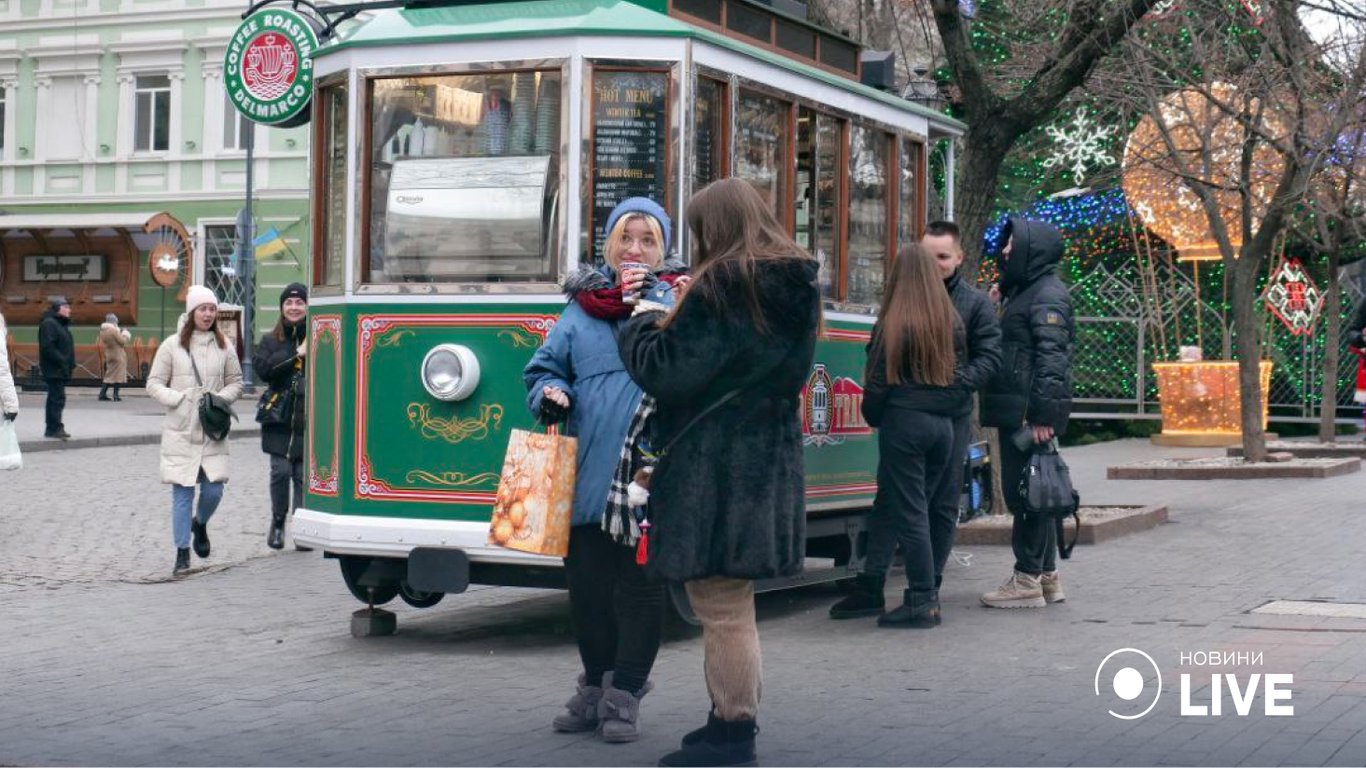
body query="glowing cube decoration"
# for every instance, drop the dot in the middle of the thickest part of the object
(1201, 398)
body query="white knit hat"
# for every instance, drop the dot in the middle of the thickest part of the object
(197, 295)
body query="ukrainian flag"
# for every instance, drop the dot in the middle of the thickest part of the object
(269, 243)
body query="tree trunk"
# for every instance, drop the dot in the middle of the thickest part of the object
(1332, 323)
(984, 150)
(1247, 344)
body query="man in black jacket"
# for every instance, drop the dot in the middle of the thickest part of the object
(943, 241)
(1030, 398)
(976, 366)
(56, 359)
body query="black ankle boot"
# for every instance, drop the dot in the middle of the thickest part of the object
(865, 600)
(200, 532)
(116, 398)
(693, 737)
(276, 538)
(920, 611)
(723, 743)
(104, 392)
(182, 561)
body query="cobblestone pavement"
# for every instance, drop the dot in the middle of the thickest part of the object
(254, 664)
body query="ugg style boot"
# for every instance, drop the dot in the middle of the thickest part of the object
(619, 712)
(1021, 590)
(723, 743)
(1051, 583)
(920, 610)
(182, 561)
(583, 709)
(276, 538)
(695, 736)
(866, 599)
(200, 532)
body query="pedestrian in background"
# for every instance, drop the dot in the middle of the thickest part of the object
(1030, 398)
(56, 360)
(912, 395)
(726, 367)
(9, 398)
(114, 340)
(578, 376)
(195, 361)
(279, 361)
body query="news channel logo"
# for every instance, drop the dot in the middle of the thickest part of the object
(1130, 681)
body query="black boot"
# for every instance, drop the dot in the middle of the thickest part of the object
(723, 743)
(920, 611)
(695, 736)
(276, 538)
(182, 561)
(200, 531)
(117, 399)
(104, 392)
(866, 599)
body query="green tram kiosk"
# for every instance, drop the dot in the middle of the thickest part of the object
(465, 157)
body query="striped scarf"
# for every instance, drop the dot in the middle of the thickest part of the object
(620, 519)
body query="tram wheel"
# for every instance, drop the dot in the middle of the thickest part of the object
(417, 598)
(352, 569)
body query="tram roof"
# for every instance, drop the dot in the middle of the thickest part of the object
(559, 18)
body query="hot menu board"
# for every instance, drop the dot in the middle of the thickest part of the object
(630, 134)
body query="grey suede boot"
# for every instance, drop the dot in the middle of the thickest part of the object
(583, 709)
(619, 712)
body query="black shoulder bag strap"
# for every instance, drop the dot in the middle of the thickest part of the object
(194, 366)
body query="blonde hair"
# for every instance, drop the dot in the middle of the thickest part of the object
(612, 244)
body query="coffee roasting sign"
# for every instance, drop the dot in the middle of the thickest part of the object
(268, 69)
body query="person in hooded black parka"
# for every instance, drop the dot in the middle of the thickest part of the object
(727, 497)
(279, 361)
(1030, 397)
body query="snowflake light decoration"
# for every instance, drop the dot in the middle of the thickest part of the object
(1293, 298)
(1079, 145)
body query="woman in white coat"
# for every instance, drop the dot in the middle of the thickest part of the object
(188, 457)
(9, 399)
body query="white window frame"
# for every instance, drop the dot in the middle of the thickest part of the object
(237, 147)
(151, 93)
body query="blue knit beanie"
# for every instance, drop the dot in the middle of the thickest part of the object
(648, 207)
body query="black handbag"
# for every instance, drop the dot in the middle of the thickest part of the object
(1046, 489)
(276, 407)
(215, 413)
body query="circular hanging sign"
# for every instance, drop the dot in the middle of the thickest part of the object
(268, 69)
(164, 263)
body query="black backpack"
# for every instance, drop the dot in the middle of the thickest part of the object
(1046, 489)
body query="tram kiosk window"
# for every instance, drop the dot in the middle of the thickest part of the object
(868, 219)
(330, 227)
(818, 183)
(464, 178)
(762, 147)
(630, 143)
(710, 127)
(908, 209)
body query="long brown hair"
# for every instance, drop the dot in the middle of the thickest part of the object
(187, 331)
(916, 321)
(733, 231)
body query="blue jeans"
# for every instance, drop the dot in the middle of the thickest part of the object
(182, 503)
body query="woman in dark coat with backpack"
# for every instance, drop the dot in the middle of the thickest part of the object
(280, 362)
(726, 367)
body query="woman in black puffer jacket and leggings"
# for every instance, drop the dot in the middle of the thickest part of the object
(279, 361)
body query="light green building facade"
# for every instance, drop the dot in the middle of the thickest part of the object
(119, 106)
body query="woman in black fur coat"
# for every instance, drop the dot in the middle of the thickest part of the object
(726, 367)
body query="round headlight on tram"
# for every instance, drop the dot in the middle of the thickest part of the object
(450, 372)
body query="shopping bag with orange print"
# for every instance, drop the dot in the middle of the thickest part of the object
(535, 498)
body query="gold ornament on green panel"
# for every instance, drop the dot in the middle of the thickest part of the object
(455, 430)
(453, 479)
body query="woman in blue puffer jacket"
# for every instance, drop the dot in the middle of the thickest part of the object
(578, 376)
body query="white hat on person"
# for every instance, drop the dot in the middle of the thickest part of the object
(198, 295)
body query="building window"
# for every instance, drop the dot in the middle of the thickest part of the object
(152, 101)
(220, 263)
(2, 122)
(235, 126)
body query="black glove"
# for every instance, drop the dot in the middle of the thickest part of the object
(552, 412)
(11, 416)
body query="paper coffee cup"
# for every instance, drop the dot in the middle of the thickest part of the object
(631, 297)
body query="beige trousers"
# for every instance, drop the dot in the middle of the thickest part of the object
(730, 641)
